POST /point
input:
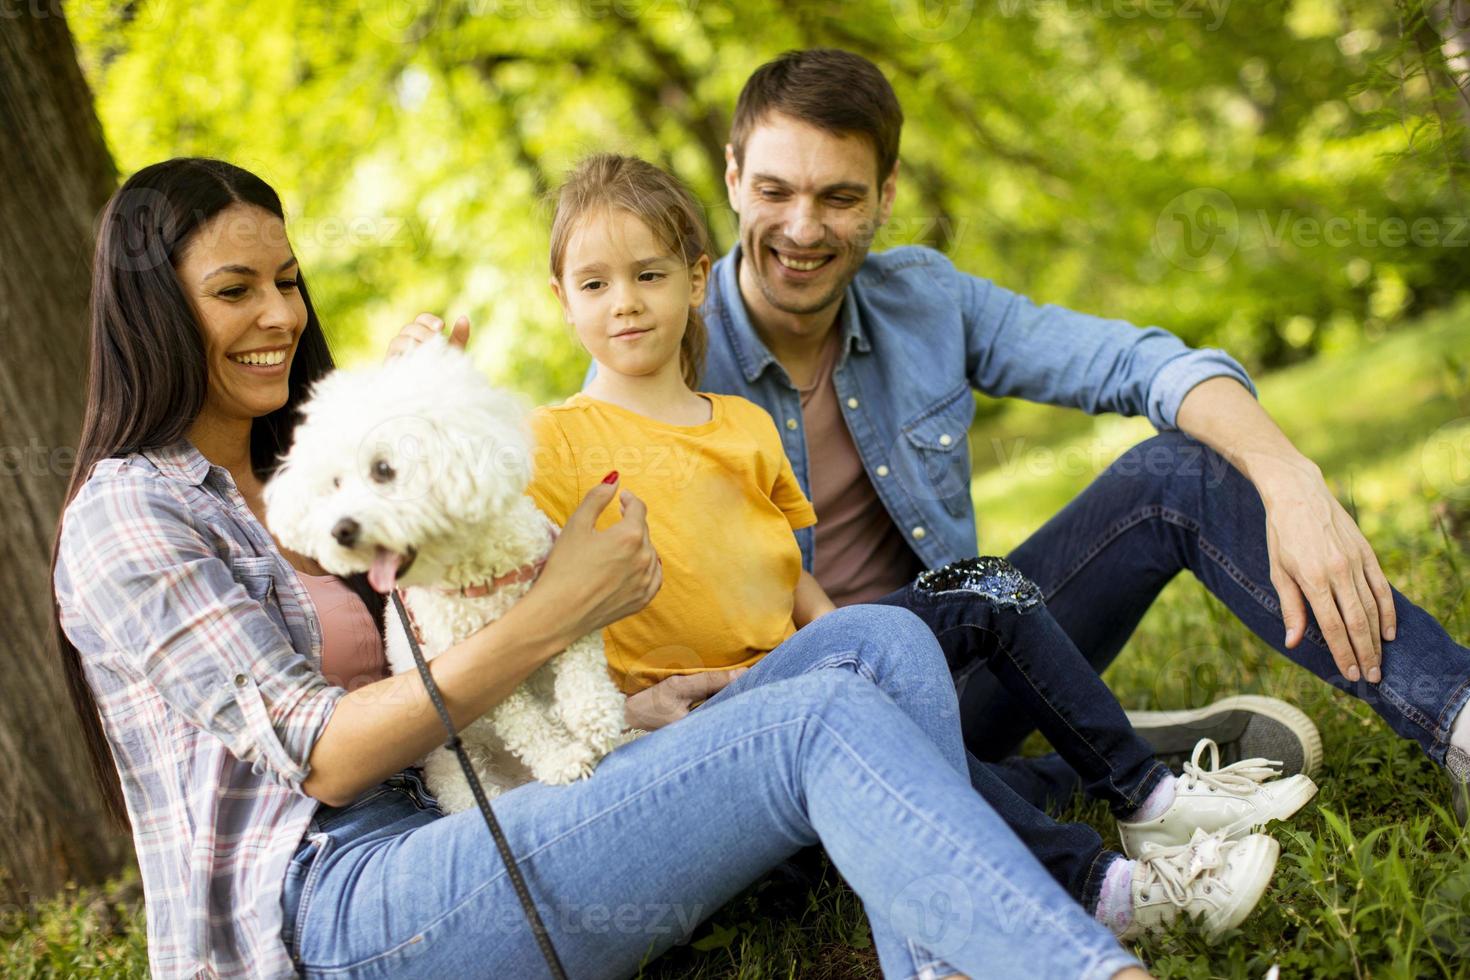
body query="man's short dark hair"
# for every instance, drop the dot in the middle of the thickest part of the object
(829, 88)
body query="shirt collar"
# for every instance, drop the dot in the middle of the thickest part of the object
(754, 356)
(179, 461)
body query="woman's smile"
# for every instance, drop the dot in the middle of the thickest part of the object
(265, 362)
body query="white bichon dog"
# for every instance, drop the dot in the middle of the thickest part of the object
(415, 472)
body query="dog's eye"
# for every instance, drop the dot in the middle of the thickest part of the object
(336, 483)
(382, 472)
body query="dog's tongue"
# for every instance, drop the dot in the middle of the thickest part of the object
(383, 575)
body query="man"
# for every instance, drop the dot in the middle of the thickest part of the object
(867, 361)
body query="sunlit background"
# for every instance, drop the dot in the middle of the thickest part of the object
(1276, 178)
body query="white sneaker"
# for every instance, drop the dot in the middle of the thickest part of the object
(1231, 801)
(1210, 879)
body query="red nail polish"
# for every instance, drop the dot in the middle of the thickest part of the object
(611, 477)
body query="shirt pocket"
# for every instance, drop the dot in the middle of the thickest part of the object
(257, 575)
(939, 463)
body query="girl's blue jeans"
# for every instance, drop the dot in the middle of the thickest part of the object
(847, 735)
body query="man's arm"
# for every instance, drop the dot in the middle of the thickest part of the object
(1049, 354)
(1318, 554)
(1061, 357)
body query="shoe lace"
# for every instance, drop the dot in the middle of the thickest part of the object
(1240, 778)
(1176, 870)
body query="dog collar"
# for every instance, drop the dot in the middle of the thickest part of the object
(526, 573)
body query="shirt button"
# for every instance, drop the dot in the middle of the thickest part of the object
(945, 440)
(918, 533)
(852, 403)
(240, 680)
(882, 471)
(791, 423)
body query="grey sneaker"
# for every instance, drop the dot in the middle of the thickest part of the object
(1457, 766)
(1245, 726)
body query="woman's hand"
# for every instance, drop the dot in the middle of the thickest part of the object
(593, 578)
(424, 328)
(673, 697)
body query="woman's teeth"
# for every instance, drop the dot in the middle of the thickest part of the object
(268, 358)
(802, 265)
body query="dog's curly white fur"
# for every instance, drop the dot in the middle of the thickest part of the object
(415, 472)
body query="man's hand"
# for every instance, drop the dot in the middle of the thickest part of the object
(425, 327)
(1320, 557)
(673, 697)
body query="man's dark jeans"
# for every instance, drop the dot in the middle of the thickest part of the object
(1168, 504)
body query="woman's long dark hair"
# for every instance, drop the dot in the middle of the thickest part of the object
(147, 376)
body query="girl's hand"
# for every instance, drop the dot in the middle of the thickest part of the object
(593, 578)
(424, 328)
(673, 697)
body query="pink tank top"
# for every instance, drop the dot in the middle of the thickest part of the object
(352, 650)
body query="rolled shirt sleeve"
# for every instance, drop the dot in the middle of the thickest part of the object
(196, 626)
(1058, 356)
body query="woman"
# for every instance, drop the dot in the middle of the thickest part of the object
(275, 822)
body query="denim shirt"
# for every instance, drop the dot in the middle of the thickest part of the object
(917, 336)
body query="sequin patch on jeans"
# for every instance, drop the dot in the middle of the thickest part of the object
(994, 578)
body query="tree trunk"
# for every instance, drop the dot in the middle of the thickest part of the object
(55, 175)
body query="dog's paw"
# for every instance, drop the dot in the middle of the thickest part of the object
(630, 735)
(566, 765)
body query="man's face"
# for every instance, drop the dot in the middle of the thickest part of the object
(809, 203)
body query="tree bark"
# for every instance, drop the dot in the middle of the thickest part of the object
(55, 175)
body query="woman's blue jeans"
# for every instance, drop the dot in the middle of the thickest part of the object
(1168, 504)
(847, 735)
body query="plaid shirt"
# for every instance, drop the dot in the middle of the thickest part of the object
(204, 652)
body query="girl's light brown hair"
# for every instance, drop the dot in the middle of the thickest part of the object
(660, 201)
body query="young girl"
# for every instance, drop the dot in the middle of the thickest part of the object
(629, 264)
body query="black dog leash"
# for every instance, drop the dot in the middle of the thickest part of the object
(543, 939)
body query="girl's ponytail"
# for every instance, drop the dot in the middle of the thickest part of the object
(692, 349)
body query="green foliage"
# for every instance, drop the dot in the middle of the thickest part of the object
(1275, 178)
(95, 932)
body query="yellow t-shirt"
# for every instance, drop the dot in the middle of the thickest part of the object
(722, 503)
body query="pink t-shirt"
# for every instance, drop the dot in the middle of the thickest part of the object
(352, 649)
(860, 554)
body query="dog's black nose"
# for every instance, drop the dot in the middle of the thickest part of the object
(346, 531)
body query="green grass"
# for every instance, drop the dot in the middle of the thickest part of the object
(1374, 878)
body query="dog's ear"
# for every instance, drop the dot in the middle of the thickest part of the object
(484, 437)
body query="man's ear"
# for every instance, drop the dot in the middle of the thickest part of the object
(732, 178)
(566, 313)
(698, 280)
(886, 194)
